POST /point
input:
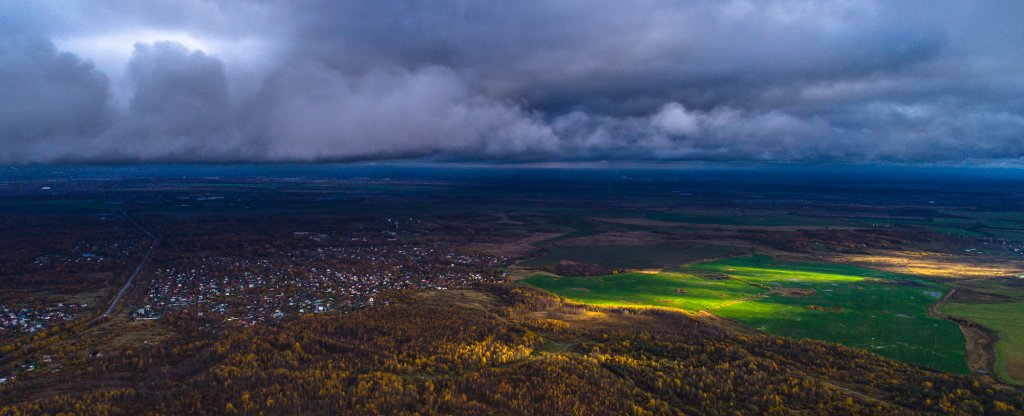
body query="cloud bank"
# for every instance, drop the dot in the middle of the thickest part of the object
(234, 80)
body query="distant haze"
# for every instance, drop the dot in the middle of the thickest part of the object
(235, 80)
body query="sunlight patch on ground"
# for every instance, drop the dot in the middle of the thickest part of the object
(945, 266)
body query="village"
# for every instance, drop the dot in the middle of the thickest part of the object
(251, 290)
(1013, 246)
(16, 321)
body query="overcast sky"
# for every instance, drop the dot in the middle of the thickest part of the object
(564, 80)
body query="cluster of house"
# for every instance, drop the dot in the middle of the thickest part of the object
(89, 252)
(1016, 247)
(17, 321)
(250, 290)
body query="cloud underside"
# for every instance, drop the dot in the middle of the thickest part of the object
(732, 80)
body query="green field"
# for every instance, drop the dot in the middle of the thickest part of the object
(55, 205)
(778, 220)
(645, 256)
(1004, 318)
(634, 289)
(962, 223)
(882, 312)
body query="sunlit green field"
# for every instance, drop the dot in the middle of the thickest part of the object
(675, 290)
(882, 312)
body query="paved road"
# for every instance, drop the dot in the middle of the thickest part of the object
(149, 252)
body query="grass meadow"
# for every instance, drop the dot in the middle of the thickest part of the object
(883, 312)
(1003, 317)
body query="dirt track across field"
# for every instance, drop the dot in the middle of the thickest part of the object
(981, 342)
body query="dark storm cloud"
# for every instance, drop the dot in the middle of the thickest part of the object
(310, 112)
(566, 80)
(180, 107)
(598, 54)
(51, 103)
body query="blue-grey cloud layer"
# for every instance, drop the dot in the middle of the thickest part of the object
(484, 80)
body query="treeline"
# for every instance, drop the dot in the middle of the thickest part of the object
(851, 241)
(43, 251)
(501, 350)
